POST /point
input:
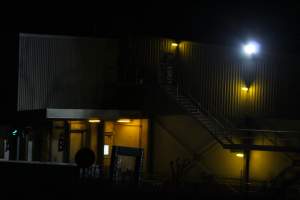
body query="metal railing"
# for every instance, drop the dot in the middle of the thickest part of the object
(181, 90)
(276, 137)
(220, 119)
(229, 130)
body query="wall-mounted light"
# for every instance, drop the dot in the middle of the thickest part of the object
(94, 120)
(124, 120)
(174, 44)
(251, 48)
(245, 89)
(240, 155)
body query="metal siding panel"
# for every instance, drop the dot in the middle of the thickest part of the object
(217, 88)
(52, 71)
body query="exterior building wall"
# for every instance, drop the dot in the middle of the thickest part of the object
(215, 76)
(57, 132)
(81, 134)
(172, 142)
(65, 72)
(176, 134)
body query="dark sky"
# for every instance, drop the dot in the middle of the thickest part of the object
(275, 25)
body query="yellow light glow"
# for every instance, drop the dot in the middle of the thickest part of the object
(123, 120)
(174, 44)
(241, 155)
(245, 89)
(94, 120)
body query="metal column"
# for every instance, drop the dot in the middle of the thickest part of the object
(100, 137)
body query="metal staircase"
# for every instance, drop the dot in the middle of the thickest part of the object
(215, 128)
(232, 138)
(288, 179)
(225, 133)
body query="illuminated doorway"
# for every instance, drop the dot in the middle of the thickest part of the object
(76, 143)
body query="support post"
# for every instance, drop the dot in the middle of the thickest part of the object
(246, 171)
(66, 141)
(100, 159)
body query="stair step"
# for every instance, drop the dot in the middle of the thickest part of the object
(205, 120)
(202, 120)
(200, 116)
(209, 125)
(181, 99)
(192, 110)
(186, 102)
(189, 105)
(195, 113)
(172, 92)
(169, 88)
(220, 132)
(212, 128)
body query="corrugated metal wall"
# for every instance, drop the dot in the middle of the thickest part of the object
(216, 75)
(64, 72)
(69, 72)
(145, 55)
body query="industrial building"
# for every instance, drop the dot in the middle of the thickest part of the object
(219, 114)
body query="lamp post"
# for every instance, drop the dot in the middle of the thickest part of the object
(250, 51)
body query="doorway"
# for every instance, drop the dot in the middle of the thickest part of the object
(76, 143)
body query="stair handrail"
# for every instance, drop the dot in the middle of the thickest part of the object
(180, 87)
(205, 110)
(266, 130)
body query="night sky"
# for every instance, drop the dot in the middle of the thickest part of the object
(274, 24)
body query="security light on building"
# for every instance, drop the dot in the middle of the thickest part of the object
(251, 48)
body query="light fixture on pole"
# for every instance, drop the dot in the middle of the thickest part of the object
(251, 48)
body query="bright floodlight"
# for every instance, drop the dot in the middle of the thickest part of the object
(251, 48)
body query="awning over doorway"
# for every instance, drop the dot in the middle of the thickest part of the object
(53, 113)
